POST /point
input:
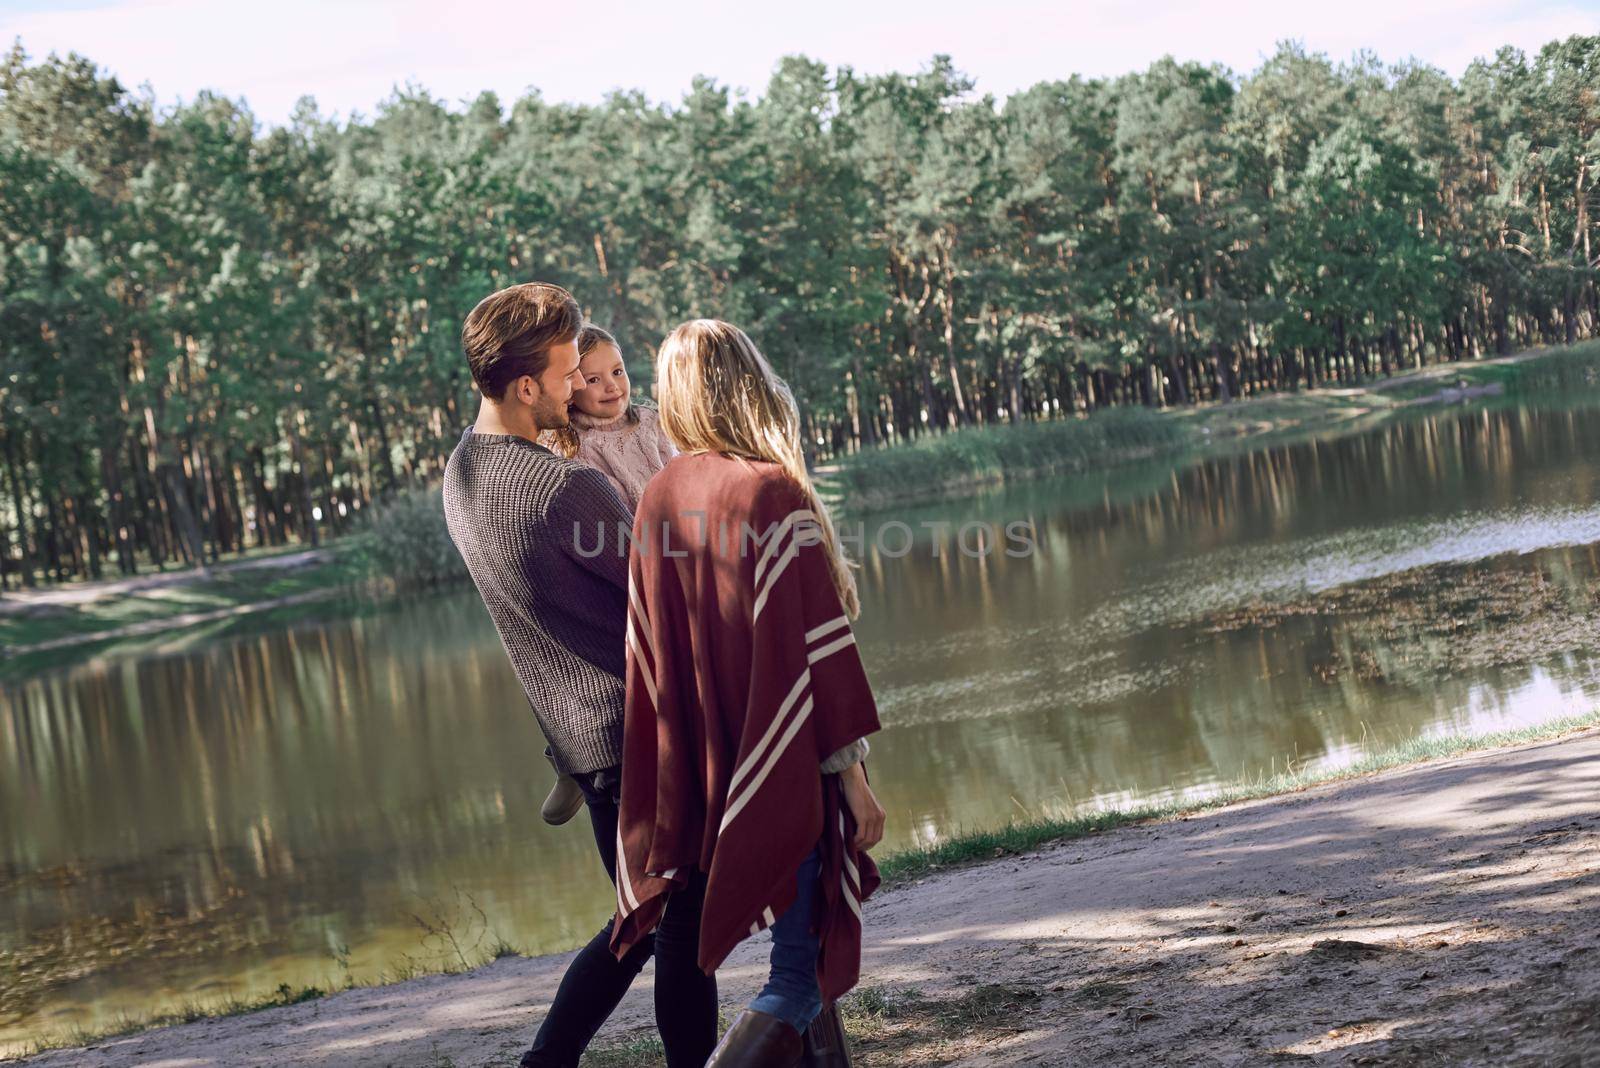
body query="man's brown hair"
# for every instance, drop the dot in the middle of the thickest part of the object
(510, 333)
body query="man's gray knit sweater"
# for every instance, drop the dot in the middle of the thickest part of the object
(513, 509)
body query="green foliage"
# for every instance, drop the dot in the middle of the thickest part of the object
(1577, 368)
(407, 543)
(288, 995)
(643, 1051)
(219, 338)
(986, 455)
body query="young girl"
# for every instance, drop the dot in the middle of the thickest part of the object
(608, 431)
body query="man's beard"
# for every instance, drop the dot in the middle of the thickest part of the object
(554, 418)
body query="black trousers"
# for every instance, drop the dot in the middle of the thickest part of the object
(686, 998)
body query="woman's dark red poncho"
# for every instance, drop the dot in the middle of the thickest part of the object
(743, 676)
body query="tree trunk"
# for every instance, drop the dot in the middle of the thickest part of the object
(111, 473)
(1175, 376)
(190, 541)
(1224, 374)
(308, 524)
(867, 433)
(18, 502)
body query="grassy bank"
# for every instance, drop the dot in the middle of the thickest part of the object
(24, 625)
(963, 850)
(1548, 370)
(194, 1011)
(405, 546)
(1020, 837)
(967, 461)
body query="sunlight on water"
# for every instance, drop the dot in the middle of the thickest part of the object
(1545, 697)
(1314, 564)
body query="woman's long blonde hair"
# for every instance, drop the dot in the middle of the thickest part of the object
(717, 393)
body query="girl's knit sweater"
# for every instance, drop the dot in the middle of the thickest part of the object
(629, 454)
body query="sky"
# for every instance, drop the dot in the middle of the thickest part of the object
(351, 54)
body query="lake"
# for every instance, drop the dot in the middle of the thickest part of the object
(357, 794)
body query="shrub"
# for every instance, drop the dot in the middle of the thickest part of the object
(1574, 368)
(978, 455)
(406, 542)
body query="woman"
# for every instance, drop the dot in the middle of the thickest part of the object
(747, 707)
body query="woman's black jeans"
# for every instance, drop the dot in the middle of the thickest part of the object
(686, 998)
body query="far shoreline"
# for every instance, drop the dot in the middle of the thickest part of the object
(34, 634)
(971, 461)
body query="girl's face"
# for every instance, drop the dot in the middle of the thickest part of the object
(605, 389)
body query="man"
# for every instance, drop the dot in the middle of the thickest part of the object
(515, 512)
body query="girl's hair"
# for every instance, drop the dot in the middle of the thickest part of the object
(590, 335)
(717, 393)
(564, 442)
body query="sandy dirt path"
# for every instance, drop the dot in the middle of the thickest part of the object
(31, 604)
(1444, 914)
(81, 594)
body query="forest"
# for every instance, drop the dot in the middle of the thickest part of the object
(217, 335)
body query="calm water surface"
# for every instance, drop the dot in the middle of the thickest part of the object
(309, 803)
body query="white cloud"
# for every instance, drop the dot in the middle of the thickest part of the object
(350, 54)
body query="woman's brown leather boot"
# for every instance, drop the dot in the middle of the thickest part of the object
(757, 1040)
(824, 1043)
